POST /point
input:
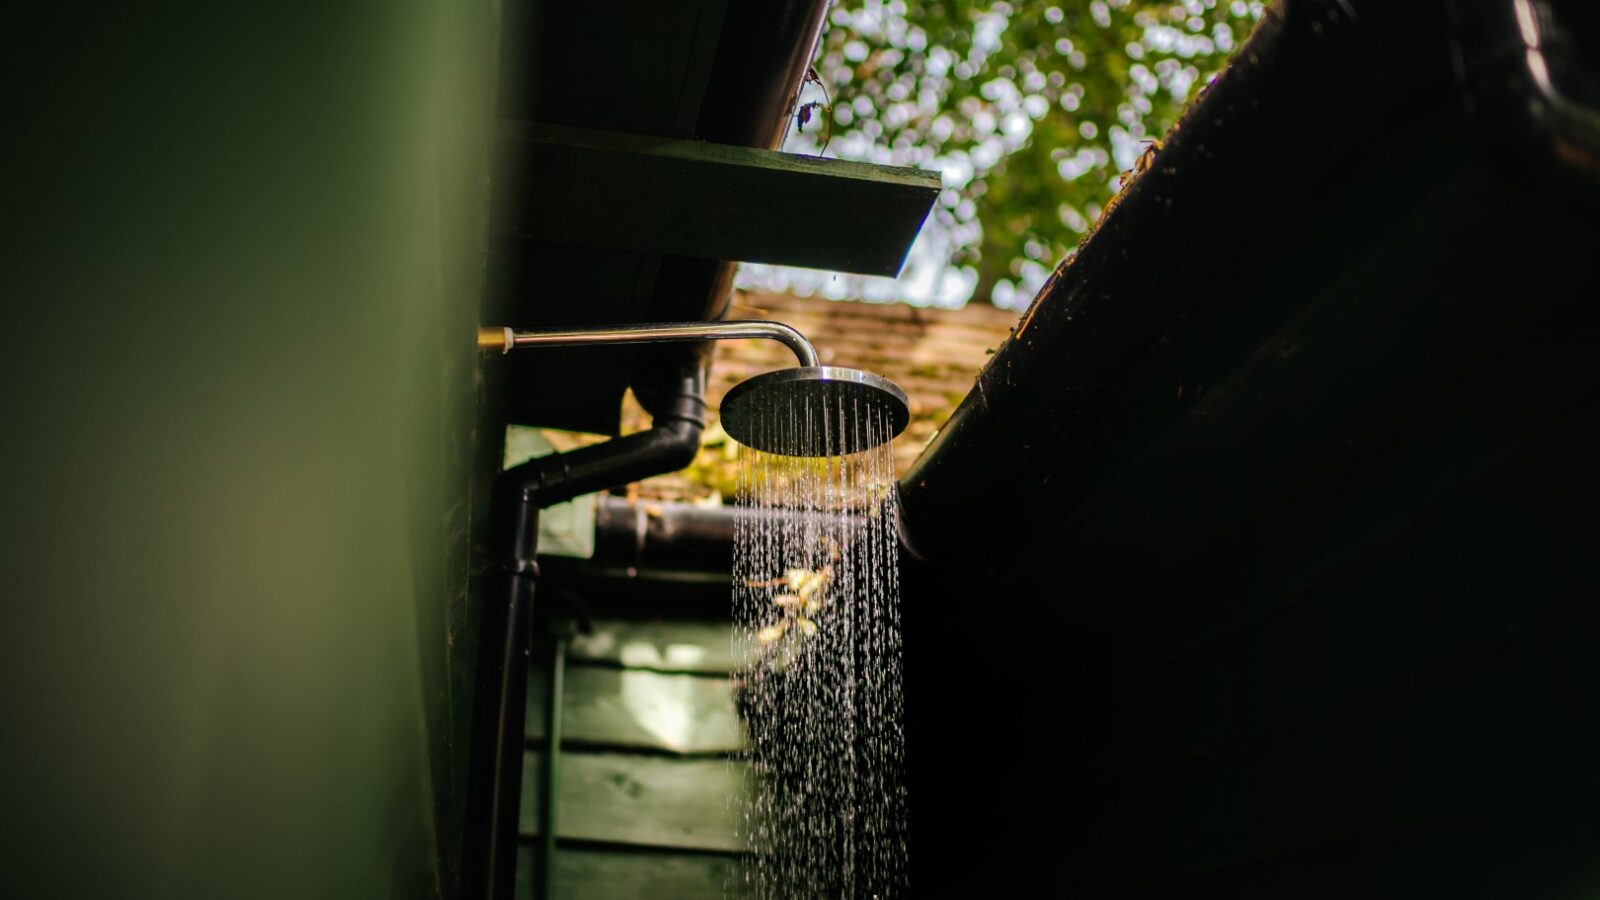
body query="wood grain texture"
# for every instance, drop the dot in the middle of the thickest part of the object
(650, 801)
(663, 645)
(638, 708)
(595, 874)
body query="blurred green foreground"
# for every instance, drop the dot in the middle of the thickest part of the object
(242, 267)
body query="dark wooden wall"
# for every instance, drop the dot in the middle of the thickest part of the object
(1271, 552)
(1415, 717)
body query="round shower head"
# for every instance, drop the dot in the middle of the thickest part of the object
(815, 411)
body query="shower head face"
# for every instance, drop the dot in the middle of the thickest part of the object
(815, 411)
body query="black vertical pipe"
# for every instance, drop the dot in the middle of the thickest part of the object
(675, 398)
(510, 720)
(490, 845)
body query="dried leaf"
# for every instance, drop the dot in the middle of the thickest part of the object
(772, 632)
(806, 625)
(797, 578)
(810, 585)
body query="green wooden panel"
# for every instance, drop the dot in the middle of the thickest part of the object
(691, 198)
(238, 463)
(664, 645)
(648, 800)
(586, 874)
(636, 708)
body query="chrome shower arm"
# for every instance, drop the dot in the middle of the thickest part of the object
(507, 339)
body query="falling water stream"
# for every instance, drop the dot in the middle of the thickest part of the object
(816, 609)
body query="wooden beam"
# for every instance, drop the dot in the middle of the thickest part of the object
(691, 198)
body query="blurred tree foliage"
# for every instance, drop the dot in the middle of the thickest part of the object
(1031, 110)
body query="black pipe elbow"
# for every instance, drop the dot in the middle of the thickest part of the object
(677, 408)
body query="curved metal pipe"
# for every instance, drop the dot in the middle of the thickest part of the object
(507, 339)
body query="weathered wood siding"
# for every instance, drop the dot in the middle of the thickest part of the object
(649, 801)
(650, 773)
(640, 709)
(625, 875)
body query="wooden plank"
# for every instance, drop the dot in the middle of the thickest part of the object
(635, 708)
(652, 801)
(593, 874)
(662, 645)
(691, 198)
